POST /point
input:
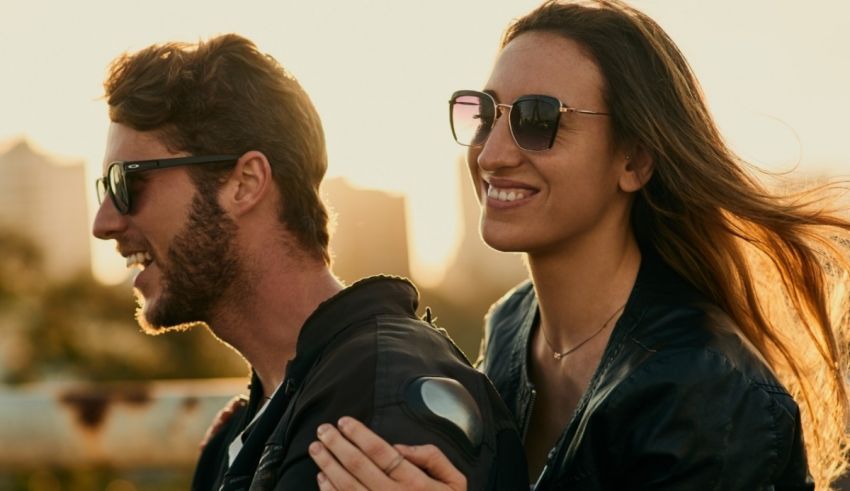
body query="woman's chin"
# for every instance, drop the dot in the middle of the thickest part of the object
(504, 242)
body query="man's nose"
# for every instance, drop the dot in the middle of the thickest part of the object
(108, 222)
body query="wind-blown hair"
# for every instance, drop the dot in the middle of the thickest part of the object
(777, 264)
(223, 96)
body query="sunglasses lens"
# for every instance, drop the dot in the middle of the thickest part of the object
(118, 185)
(100, 187)
(472, 117)
(534, 122)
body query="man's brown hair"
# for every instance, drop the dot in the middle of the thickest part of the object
(223, 96)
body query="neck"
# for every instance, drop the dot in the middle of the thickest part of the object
(262, 321)
(580, 286)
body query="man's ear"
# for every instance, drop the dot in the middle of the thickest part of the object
(638, 168)
(249, 184)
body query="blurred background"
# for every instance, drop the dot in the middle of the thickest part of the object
(87, 402)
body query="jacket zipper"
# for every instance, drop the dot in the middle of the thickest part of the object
(529, 410)
(525, 425)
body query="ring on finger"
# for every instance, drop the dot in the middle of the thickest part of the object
(395, 463)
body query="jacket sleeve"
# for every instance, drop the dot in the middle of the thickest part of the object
(689, 420)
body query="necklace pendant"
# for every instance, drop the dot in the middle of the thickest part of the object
(557, 356)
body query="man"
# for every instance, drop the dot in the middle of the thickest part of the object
(211, 187)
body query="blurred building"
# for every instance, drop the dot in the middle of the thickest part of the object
(369, 235)
(43, 198)
(476, 269)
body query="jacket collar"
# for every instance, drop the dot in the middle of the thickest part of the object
(361, 300)
(376, 295)
(655, 281)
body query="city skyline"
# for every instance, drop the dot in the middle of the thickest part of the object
(770, 70)
(42, 197)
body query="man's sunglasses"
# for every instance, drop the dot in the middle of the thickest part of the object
(114, 183)
(533, 119)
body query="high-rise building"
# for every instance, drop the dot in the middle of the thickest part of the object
(476, 269)
(43, 199)
(369, 231)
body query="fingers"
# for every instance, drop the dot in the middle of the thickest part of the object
(354, 457)
(375, 448)
(324, 483)
(401, 470)
(435, 463)
(332, 476)
(351, 459)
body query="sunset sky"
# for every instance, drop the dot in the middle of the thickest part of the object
(776, 73)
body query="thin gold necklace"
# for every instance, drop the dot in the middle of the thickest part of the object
(558, 355)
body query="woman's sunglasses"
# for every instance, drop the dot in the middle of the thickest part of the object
(114, 183)
(533, 119)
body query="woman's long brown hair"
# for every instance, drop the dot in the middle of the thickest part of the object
(775, 261)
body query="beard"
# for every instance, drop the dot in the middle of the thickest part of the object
(202, 267)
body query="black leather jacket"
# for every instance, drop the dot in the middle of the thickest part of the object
(364, 353)
(677, 402)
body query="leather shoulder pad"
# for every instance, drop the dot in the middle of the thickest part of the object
(447, 403)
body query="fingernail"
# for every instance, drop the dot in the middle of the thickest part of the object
(315, 448)
(321, 477)
(343, 422)
(322, 428)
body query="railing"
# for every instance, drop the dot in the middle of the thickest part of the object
(133, 424)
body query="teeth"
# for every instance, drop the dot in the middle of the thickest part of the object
(139, 260)
(506, 194)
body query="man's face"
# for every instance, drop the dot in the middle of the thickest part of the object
(180, 238)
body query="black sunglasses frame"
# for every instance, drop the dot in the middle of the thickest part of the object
(499, 108)
(105, 185)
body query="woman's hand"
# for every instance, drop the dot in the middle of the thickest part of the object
(352, 457)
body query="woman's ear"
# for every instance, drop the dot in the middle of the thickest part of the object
(638, 169)
(248, 184)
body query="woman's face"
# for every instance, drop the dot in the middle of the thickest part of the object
(566, 196)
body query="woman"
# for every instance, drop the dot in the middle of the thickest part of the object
(670, 292)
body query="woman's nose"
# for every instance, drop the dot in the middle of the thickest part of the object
(500, 149)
